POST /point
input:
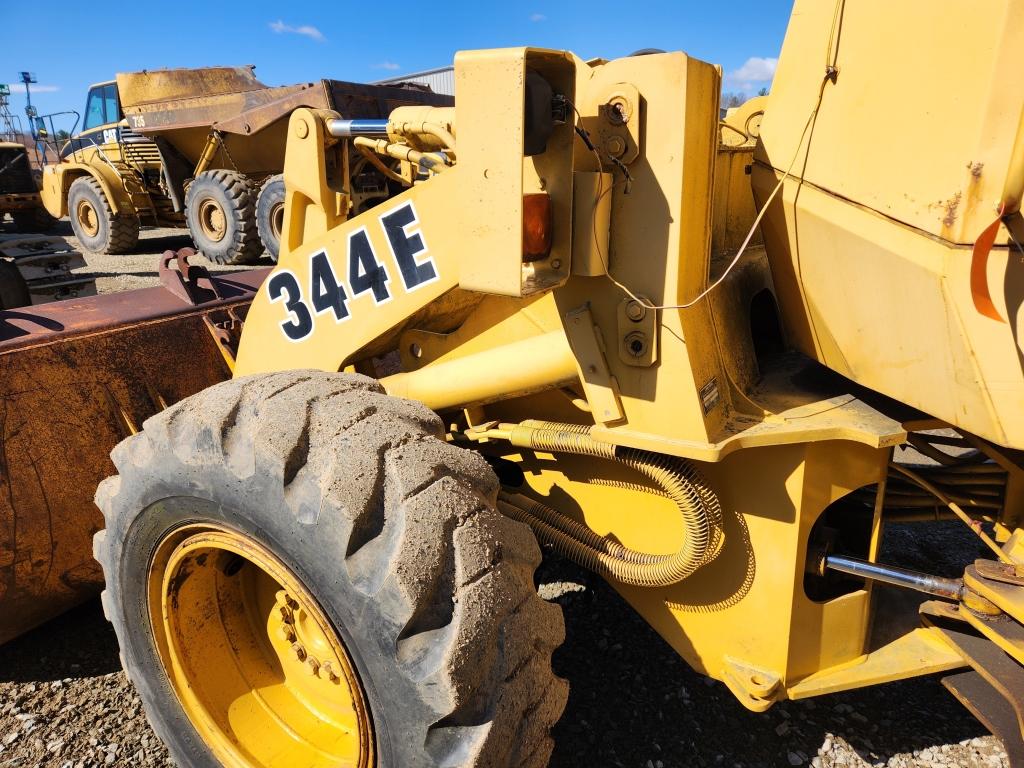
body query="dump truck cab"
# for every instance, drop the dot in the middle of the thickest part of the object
(108, 180)
(102, 117)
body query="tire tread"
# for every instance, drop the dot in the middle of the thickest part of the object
(452, 575)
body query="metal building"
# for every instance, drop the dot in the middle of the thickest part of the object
(440, 80)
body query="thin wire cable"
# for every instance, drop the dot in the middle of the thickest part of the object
(830, 72)
(746, 241)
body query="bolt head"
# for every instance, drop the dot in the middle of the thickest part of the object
(314, 666)
(287, 633)
(615, 146)
(635, 311)
(327, 672)
(299, 652)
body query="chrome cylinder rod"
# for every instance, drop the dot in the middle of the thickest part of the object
(899, 577)
(343, 129)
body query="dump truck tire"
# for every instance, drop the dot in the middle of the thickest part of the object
(220, 208)
(13, 288)
(34, 220)
(270, 214)
(380, 531)
(93, 220)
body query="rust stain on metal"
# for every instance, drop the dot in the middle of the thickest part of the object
(75, 376)
(950, 208)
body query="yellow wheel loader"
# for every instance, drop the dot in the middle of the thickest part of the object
(712, 361)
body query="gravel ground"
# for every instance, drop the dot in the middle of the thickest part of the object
(64, 700)
(139, 270)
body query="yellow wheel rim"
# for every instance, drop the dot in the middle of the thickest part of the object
(87, 218)
(256, 665)
(212, 220)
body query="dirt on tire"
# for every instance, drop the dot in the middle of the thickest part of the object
(397, 535)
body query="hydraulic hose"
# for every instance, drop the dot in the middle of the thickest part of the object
(679, 480)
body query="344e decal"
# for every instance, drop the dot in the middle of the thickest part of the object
(329, 293)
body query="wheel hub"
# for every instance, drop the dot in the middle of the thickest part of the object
(88, 220)
(212, 220)
(256, 665)
(277, 219)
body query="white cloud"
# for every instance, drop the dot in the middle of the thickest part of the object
(388, 65)
(538, 17)
(20, 88)
(303, 29)
(754, 70)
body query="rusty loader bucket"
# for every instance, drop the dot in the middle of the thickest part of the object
(75, 378)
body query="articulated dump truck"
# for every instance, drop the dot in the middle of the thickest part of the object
(717, 363)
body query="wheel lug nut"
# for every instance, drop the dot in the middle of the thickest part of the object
(299, 651)
(327, 672)
(287, 633)
(314, 666)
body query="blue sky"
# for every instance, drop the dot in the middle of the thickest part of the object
(71, 45)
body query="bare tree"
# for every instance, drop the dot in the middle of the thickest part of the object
(733, 99)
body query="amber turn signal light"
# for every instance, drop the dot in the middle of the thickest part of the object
(536, 226)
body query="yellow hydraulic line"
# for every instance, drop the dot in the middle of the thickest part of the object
(441, 133)
(530, 365)
(400, 152)
(436, 130)
(370, 155)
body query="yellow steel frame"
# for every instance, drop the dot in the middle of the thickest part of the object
(491, 338)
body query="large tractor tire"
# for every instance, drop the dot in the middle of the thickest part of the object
(33, 220)
(93, 220)
(270, 215)
(300, 571)
(220, 208)
(13, 288)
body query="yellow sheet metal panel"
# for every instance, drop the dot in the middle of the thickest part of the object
(869, 240)
(891, 309)
(491, 87)
(921, 119)
(658, 245)
(919, 652)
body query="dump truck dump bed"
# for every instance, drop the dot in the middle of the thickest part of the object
(181, 107)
